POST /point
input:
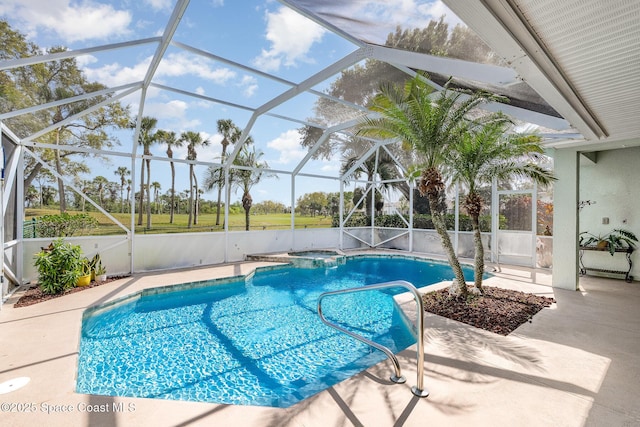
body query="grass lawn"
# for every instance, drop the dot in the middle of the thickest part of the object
(206, 222)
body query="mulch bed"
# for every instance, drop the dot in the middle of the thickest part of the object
(498, 310)
(35, 295)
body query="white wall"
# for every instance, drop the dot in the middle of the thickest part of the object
(113, 250)
(613, 182)
(183, 250)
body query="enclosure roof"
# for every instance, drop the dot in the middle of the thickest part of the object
(571, 68)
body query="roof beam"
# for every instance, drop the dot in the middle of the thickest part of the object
(169, 31)
(487, 73)
(22, 62)
(336, 67)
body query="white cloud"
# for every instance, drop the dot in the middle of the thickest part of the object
(288, 145)
(330, 166)
(173, 110)
(159, 4)
(85, 60)
(291, 36)
(174, 65)
(115, 74)
(71, 22)
(173, 115)
(249, 85)
(180, 64)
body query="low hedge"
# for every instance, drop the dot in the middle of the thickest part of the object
(420, 221)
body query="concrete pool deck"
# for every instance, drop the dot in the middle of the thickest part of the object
(576, 364)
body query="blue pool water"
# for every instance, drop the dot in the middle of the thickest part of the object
(257, 341)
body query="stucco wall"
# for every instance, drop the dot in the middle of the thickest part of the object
(613, 182)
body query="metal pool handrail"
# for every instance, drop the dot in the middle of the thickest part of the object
(418, 389)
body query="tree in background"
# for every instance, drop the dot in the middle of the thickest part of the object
(360, 83)
(193, 140)
(170, 139)
(379, 165)
(146, 138)
(156, 191)
(123, 173)
(37, 84)
(269, 207)
(251, 171)
(230, 135)
(312, 203)
(100, 184)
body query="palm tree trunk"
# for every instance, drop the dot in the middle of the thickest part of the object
(441, 229)
(148, 194)
(247, 201)
(63, 201)
(173, 191)
(478, 262)
(141, 203)
(224, 149)
(190, 196)
(195, 203)
(219, 200)
(121, 199)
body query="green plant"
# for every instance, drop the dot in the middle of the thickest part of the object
(616, 239)
(100, 269)
(85, 267)
(94, 262)
(65, 225)
(59, 266)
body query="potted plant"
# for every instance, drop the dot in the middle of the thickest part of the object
(85, 273)
(93, 264)
(59, 266)
(100, 272)
(616, 239)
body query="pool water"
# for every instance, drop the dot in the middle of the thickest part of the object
(255, 342)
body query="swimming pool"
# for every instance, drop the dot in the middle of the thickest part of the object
(254, 341)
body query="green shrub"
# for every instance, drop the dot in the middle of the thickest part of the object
(420, 221)
(59, 266)
(391, 221)
(64, 225)
(358, 219)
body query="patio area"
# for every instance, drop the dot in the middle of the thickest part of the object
(576, 364)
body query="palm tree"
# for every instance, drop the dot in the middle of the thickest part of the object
(486, 152)
(146, 139)
(171, 140)
(122, 172)
(99, 183)
(429, 127)
(193, 140)
(230, 135)
(156, 189)
(128, 188)
(251, 173)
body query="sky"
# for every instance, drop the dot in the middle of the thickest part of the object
(261, 34)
